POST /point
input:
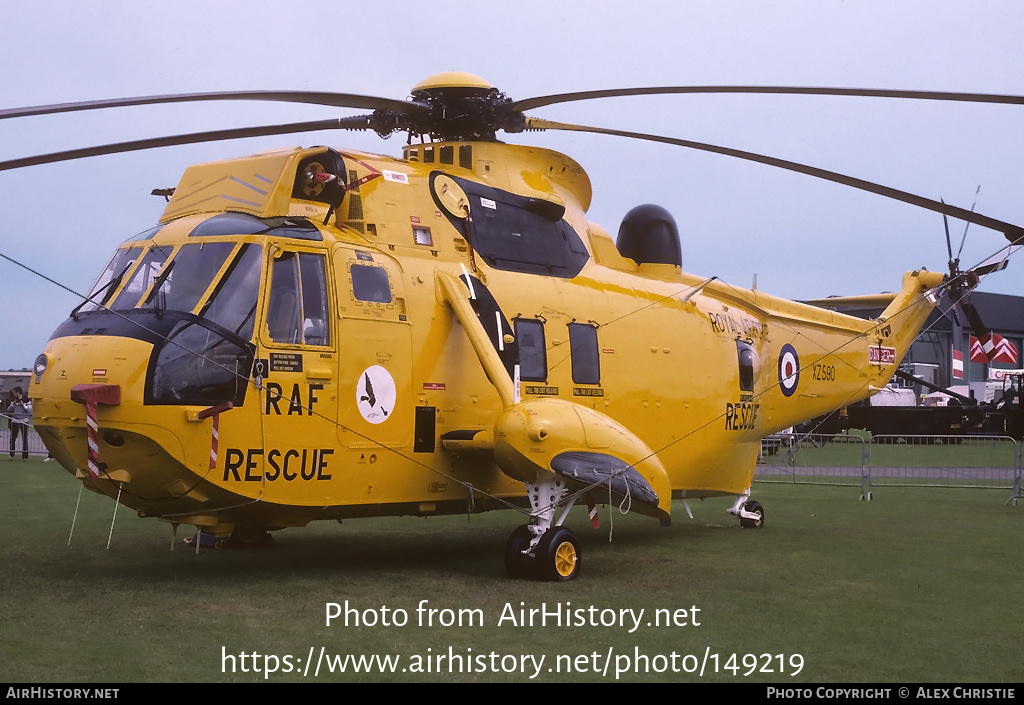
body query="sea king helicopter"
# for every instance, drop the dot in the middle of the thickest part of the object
(320, 333)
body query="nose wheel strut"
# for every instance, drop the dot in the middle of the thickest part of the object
(544, 549)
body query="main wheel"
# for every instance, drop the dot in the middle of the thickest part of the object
(558, 555)
(753, 507)
(247, 536)
(517, 564)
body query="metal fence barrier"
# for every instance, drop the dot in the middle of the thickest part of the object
(35, 443)
(812, 458)
(985, 462)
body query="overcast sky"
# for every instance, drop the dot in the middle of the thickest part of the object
(802, 238)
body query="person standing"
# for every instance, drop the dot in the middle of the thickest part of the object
(19, 411)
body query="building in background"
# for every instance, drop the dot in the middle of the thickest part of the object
(9, 379)
(942, 353)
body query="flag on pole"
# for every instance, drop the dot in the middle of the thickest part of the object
(958, 364)
(993, 348)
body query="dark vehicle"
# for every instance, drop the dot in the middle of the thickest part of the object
(962, 416)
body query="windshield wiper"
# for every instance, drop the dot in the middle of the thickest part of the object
(112, 285)
(159, 283)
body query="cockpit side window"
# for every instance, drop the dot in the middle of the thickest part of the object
(297, 305)
(314, 299)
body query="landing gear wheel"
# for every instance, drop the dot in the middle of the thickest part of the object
(558, 555)
(517, 564)
(753, 507)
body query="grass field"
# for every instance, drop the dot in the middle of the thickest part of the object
(918, 585)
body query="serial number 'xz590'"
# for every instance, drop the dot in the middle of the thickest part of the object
(823, 373)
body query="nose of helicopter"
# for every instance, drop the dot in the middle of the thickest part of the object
(93, 395)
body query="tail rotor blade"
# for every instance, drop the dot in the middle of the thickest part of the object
(949, 245)
(968, 224)
(973, 318)
(996, 262)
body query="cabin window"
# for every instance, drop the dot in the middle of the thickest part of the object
(750, 365)
(183, 281)
(297, 306)
(586, 362)
(422, 236)
(232, 304)
(533, 356)
(370, 284)
(103, 290)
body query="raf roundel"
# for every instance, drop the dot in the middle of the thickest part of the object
(789, 370)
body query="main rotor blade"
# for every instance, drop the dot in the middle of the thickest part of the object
(337, 100)
(532, 103)
(1013, 233)
(352, 123)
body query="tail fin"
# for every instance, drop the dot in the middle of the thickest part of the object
(902, 320)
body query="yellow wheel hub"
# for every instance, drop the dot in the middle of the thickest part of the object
(565, 559)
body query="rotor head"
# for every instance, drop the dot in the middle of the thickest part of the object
(454, 106)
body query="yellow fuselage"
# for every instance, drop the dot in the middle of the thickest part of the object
(315, 433)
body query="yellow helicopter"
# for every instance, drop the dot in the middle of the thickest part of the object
(322, 333)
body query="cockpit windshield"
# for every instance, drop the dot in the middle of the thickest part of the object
(183, 280)
(195, 302)
(233, 303)
(176, 280)
(141, 279)
(103, 290)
